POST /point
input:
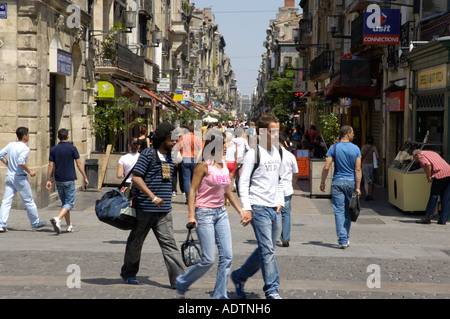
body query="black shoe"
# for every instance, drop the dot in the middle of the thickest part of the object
(285, 243)
(425, 220)
(441, 223)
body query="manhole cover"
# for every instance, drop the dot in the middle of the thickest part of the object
(370, 221)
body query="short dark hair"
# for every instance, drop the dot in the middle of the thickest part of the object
(345, 130)
(63, 134)
(266, 119)
(21, 132)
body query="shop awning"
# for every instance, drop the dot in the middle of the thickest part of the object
(197, 107)
(155, 97)
(134, 89)
(335, 89)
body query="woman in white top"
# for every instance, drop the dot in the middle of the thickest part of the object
(231, 156)
(126, 162)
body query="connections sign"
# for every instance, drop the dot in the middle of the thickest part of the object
(381, 26)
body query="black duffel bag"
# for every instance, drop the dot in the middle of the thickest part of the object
(115, 209)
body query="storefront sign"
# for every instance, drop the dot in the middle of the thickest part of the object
(199, 97)
(3, 11)
(178, 96)
(105, 90)
(432, 78)
(381, 26)
(396, 101)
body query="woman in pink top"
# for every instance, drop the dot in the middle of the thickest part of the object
(212, 180)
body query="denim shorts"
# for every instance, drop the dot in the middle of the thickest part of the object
(67, 193)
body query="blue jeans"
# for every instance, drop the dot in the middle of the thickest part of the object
(341, 193)
(14, 184)
(266, 224)
(213, 228)
(286, 219)
(187, 168)
(440, 188)
(67, 193)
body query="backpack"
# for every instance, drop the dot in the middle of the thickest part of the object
(238, 170)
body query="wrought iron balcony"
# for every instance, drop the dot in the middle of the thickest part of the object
(323, 65)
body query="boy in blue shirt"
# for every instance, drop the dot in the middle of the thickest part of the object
(61, 161)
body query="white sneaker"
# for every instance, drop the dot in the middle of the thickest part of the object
(3, 229)
(56, 224)
(69, 229)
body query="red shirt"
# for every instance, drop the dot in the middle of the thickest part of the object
(439, 167)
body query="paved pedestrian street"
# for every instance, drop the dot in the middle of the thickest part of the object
(390, 256)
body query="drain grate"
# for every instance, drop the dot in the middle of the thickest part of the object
(369, 221)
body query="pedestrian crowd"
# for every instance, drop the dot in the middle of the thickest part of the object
(211, 165)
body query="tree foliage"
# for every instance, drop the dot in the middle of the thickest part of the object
(278, 95)
(108, 122)
(328, 123)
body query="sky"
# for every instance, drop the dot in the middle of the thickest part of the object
(243, 24)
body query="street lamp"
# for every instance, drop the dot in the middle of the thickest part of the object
(130, 23)
(157, 37)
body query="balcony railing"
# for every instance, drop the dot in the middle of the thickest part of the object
(322, 65)
(146, 7)
(124, 59)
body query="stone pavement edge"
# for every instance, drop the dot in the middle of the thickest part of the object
(390, 256)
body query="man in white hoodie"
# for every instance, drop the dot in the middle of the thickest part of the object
(262, 199)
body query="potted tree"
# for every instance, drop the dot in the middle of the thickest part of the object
(328, 125)
(107, 121)
(108, 47)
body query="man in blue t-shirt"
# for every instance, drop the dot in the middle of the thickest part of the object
(346, 180)
(61, 161)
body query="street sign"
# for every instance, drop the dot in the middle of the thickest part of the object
(164, 85)
(64, 62)
(3, 10)
(381, 26)
(186, 95)
(299, 86)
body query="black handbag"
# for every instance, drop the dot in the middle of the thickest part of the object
(189, 251)
(354, 207)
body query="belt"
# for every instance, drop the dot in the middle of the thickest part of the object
(21, 175)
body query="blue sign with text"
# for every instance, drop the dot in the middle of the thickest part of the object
(64, 60)
(3, 11)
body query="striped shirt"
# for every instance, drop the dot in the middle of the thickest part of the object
(153, 179)
(439, 167)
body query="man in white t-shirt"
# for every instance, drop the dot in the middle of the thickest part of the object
(289, 175)
(262, 199)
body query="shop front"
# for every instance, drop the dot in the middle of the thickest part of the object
(430, 92)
